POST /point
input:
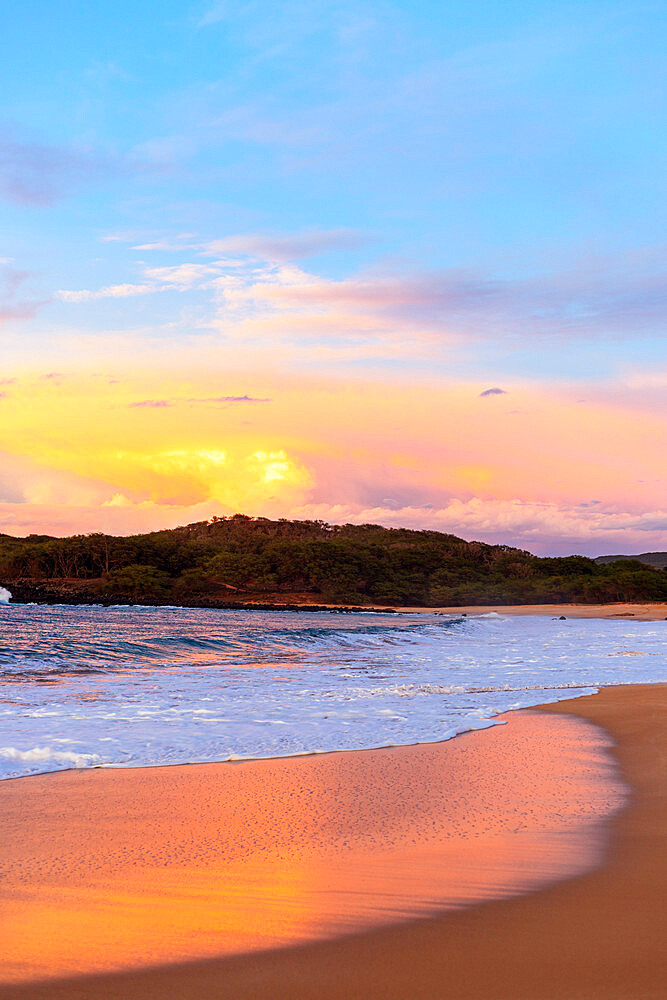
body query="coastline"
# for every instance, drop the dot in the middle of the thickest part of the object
(640, 611)
(492, 949)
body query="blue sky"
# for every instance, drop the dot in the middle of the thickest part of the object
(486, 179)
(449, 137)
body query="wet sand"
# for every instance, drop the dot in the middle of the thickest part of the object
(640, 612)
(599, 934)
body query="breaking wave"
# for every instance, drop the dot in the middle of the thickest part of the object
(47, 755)
(82, 686)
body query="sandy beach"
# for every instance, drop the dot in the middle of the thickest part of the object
(81, 849)
(640, 612)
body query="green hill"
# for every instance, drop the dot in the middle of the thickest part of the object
(254, 560)
(656, 559)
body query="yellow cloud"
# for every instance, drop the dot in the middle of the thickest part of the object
(81, 440)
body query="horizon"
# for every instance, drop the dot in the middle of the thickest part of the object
(371, 262)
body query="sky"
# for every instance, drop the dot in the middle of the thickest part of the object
(391, 262)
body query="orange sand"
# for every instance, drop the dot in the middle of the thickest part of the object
(600, 935)
(106, 869)
(641, 612)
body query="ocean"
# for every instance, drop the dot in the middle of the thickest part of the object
(134, 686)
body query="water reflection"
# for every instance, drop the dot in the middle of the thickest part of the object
(109, 870)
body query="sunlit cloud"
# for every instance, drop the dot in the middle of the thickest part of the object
(266, 302)
(425, 455)
(540, 528)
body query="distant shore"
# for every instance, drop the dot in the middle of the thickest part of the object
(599, 934)
(642, 611)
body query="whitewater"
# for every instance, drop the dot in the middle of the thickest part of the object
(135, 686)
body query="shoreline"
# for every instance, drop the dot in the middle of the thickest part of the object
(313, 970)
(500, 718)
(640, 611)
(319, 843)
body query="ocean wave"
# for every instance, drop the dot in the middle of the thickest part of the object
(186, 685)
(45, 755)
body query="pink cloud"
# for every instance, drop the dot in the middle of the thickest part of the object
(196, 400)
(154, 404)
(228, 399)
(544, 529)
(12, 304)
(595, 301)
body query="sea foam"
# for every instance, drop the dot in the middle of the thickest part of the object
(47, 755)
(141, 687)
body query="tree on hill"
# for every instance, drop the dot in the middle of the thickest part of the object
(248, 558)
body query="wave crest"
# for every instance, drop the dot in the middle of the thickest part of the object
(43, 755)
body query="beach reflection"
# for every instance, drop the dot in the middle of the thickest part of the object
(118, 869)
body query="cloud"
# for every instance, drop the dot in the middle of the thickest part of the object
(545, 529)
(493, 392)
(542, 528)
(182, 276)
(592, 302)
(26, 481)
(155, 404)
(36, 173)
(571, 303)
(281, 247)
(108, 292)
(195, 400)
(12, 304)
(268, 303)
(229, 399)
(156, 245)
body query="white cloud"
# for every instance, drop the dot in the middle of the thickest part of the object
(182, 276)
(280, 247)
(108, 292)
